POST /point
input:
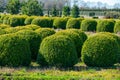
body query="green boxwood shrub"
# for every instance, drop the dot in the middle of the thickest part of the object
(43, 22)
(81, 34)
(28, 20)
(2, 18)
(76, 39)
(105, 26)
(73, 23)
(45, 32)
(117, 27)
(17, 20)
(6, 19)
(100, 50)
(14, 51)
(60, 23)
(58, 51)
(88, 25)
(34, 41)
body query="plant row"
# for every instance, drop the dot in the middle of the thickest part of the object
(99, 25)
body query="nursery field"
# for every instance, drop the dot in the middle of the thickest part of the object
(59, 48)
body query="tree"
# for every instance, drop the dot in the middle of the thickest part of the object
(75, 11)
(32, 7)
(54, 11)
(2, 5)
(13, 6)
(66, 11)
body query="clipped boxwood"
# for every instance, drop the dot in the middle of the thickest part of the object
(58, 51)
(60, 23)
(105, 26)
(45, 32)
(34, 40)
(14, 51)
(6, 19)
(73, 23)
(100, 50)
(76, 39)
(28, 20)
(43, 22)
(81, 34)
(117, 27)
(32, 27)
(17, 20)
(88, 25)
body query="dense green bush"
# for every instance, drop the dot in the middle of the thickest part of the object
(2, 18)
(14, 51)
(60, 23)
(34, 41)
(100, 50)
(88, 25)
(2, 31)
(17, 20)
(45, 32)
(117, 27)
(75, 37)
(105, 26)
(57, 50)
(43, 22)
(73, 23)
(81, 34)
(28, 20)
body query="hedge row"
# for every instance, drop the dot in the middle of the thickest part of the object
(106, 25)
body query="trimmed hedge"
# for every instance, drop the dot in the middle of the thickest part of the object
(28, 20)
(14, 51)
(117, 27)
(6, 19)
(32, 27)
(58, 51)
(34, 40)
(76, 39)
(100, 50)
(45, 32)
(105, 26)
(88, 25)
(73, 23)
(17, 21)
(60, 23)
(43, 22)
(81, 34)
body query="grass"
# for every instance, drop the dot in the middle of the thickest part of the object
(35, 72)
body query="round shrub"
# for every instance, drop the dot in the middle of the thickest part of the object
(28, 20)
(34, 41)
(117, 27)
(76, 39)
(58, 51)
(105, 26)
(100, 50)
(17, 20)
(14, 51)
(81, 34)
(73, 23)
(45, 32)
(60, 23)
(43, 22)
(88, 25)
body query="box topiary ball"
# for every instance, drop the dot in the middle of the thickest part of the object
(14, 51)
(100, 50)
(58, 51)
